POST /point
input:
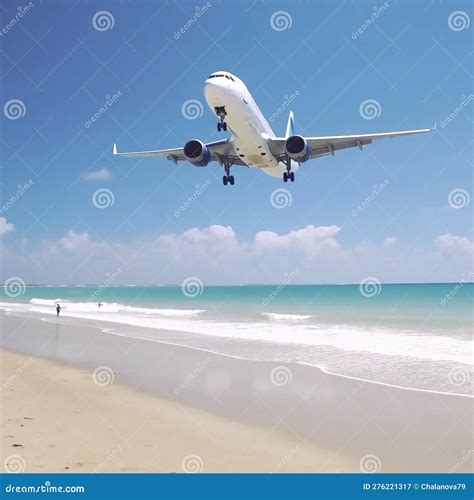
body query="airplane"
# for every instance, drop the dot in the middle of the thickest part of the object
(253, 143)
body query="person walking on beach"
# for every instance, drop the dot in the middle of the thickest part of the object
(58, 310)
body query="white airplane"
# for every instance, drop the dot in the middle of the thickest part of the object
(253, 143)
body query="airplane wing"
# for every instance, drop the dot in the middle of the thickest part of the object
(219, 150)
(325, 145)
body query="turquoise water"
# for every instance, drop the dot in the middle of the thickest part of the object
(410, 335)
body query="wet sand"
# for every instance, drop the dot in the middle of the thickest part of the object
(154, 407)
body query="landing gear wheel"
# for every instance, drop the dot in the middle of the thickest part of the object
(292, 176)
(231, 180)
(224, 126)
(225, 180)
(285, 176)
(219, 126)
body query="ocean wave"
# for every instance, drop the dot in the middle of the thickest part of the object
(287, 317)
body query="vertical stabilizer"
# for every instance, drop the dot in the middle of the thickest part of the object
(290, 127)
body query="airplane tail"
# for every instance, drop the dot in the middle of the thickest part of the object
(290, 128)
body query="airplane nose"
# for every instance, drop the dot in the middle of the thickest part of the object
(212, 90)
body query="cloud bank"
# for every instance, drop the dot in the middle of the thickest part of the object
(217, 256)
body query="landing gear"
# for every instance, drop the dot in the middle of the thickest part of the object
(221, 113)
(288, 175)
(228, 179)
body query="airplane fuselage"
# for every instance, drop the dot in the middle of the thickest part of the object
(225, 93)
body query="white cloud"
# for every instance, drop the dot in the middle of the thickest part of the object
(452, 242)
(389, 242)
(5, 227)
(98, 175)
(73, 240)
(218, 256)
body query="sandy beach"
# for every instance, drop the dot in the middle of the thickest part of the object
(110, 403)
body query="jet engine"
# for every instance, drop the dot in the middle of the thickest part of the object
(297, 148)
(197, 153)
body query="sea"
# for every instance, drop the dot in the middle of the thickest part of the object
(417, 336)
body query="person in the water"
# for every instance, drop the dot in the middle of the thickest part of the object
(58, 310)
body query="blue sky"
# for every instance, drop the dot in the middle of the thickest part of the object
(414, 60)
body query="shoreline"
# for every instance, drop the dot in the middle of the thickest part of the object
(113, 328)
(403, 428)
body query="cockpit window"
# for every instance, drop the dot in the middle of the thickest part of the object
(216, 76)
